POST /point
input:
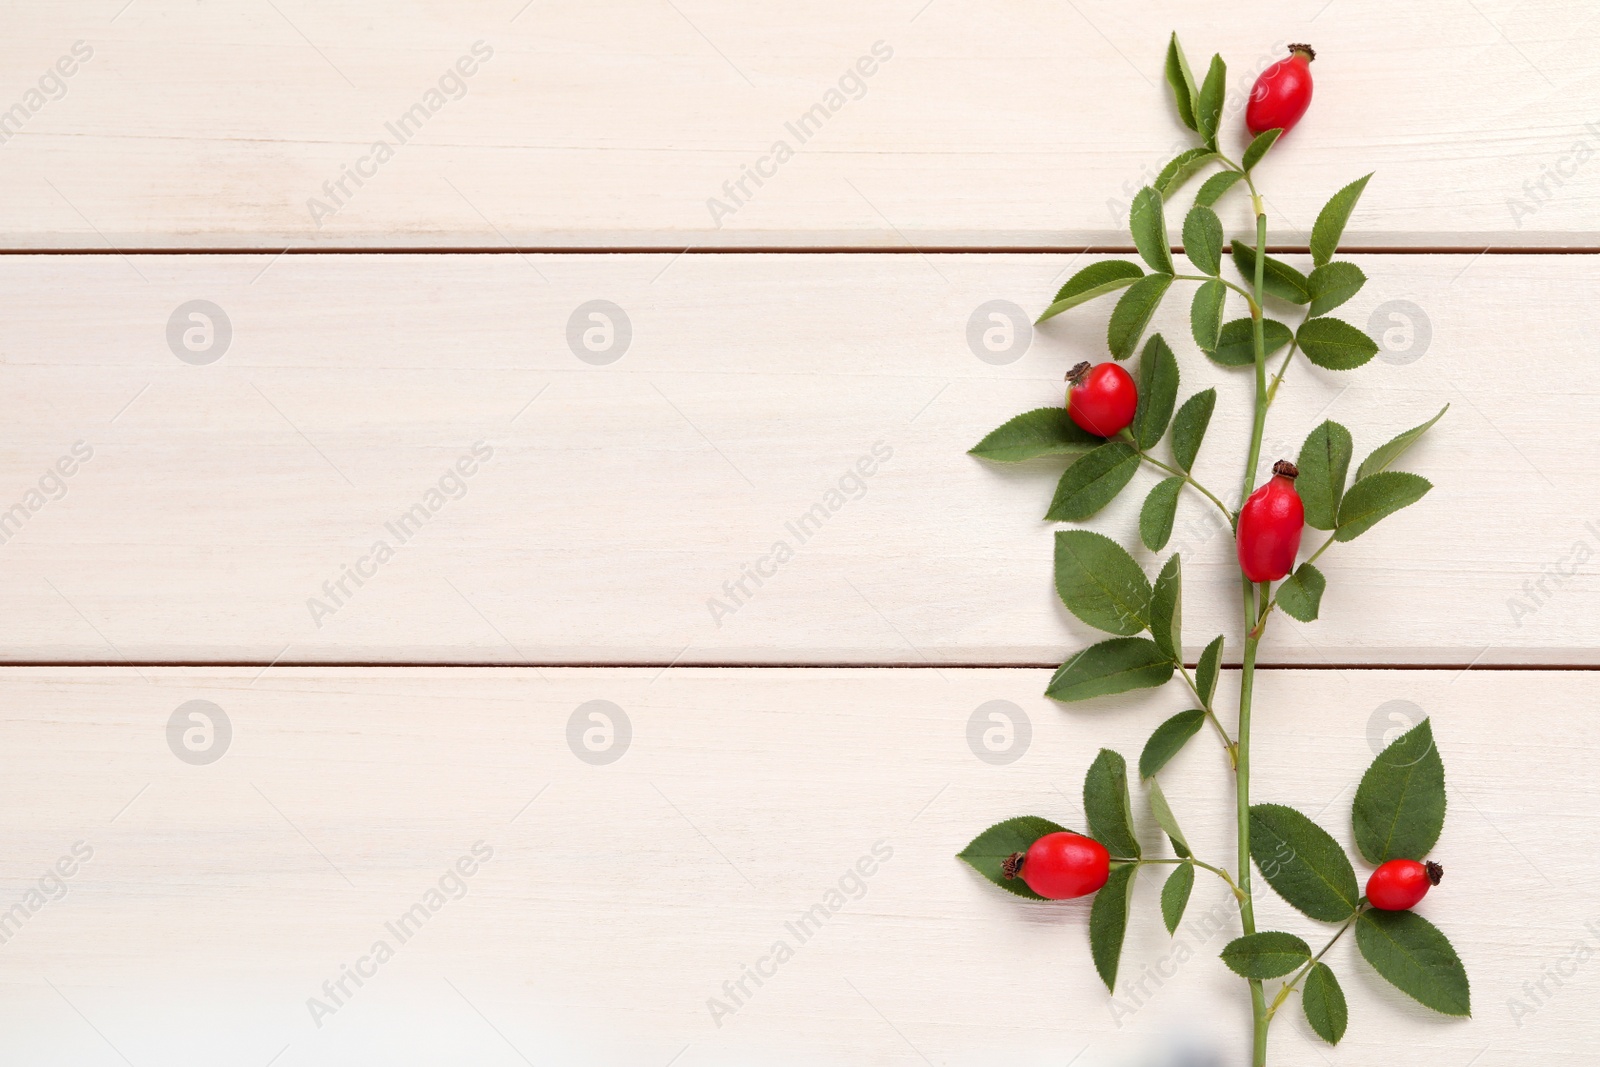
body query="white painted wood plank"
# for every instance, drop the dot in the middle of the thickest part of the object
(620, 499)
(614, 124)
(620, 897)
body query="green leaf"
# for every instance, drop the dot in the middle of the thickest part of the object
(1189, 427)
(1324, 461)
(1399, 806)
(1301, 593)
(1148, 223)
(1168, 740)
(1184, 92)
(1205, 674)
(1093, 481)
(1258, 148)
(1133, 313)
(1212, 188)
(1324, 1005)
(1334, 344)
(1175, 895)
(1269, 954)
(1416, 959)
(1329, 227)
(1180, 169)
(1302, 862)
(1159, 511)
(1332, 284)
(1278, 279)
(1236, 348)
(1386, 454)
(1108, 922)
(1097, 279)
(1166, 608)
(1158, 393)
(1107, 807)
(1100, 583)
(1205, 314)
(1040, 432)
(1113, 666)
(1208, 105)
(1376, 497)
(1202, 240)
(988, 851)
(1166, 820)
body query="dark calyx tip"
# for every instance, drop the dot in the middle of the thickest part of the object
(1435, 872)
(1076, 374)
(1012, 865)
(1284, 469)
(1305, 49)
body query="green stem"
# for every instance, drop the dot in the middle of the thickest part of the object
(1209, 495)
(1218, 871)
(1288, 987)
(1205, 705)
(1208, 278)
(1253, 627)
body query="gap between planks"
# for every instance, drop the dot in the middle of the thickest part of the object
(786, 250)
(795, 665)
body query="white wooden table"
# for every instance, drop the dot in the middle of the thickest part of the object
(405, 346)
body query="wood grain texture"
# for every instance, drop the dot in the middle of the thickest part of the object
(619, 898)
(614, 124)
(620, 500)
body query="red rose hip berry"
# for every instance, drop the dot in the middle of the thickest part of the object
(1400, 885)
(1270, 524)
(1061, 866)
(1282, 93)
(1102, 399)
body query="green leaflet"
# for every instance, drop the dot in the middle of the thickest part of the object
(1133, 313)
(1147, 222)
(988, 851)
(1329, 227)
(1110, 667)
(1202, 240)
(1332, 284)
(1168, 740)
(1376, 497)
(1184, 92)
(1107, 806)
(1159, 511)
(1205, 314)
(1166, 608)
(1237, 345)
(1399, 807)
(1302, 862)
(1278, 279)
(1386, 454)
(1269, 954)
(1205, 675)
(1093, 481)
(1096, 279)
(1259, 147)
(1175, 895)
(1158, 392)
(1108, 922)
(1324, 1005)
(1334, 344)
(1301, 593)
(1324, 460)
(1189, 427)
(1100, 583)
(1040, 432)
(1415, 958)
